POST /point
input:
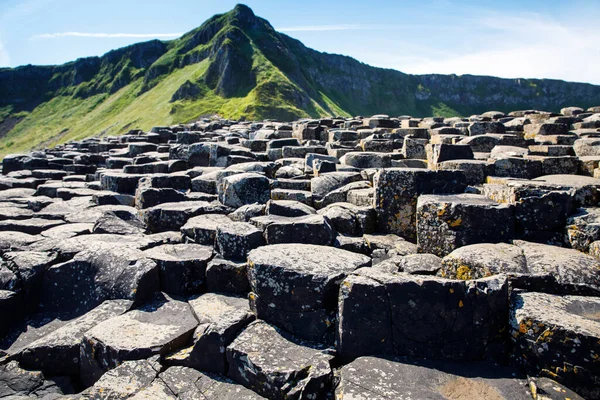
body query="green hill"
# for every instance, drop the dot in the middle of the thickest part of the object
(236, 65)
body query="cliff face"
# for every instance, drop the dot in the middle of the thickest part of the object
(236, 64)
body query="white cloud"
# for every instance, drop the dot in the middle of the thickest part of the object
(511, 46)
(104, 35)
(4, 56)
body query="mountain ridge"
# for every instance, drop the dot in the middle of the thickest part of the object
(237, 65)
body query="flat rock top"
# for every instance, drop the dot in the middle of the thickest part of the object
(220, 310)
(489, 257)
(152, 326)
(308, 258)
(185, 206)
(567, 265)
(272, 350)
(465, 198)
(381, 379)
(569, 180)
(188, 383)
(207, 221)
(179, 252)
(579, 314)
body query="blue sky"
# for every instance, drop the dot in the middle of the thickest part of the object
(527, 38)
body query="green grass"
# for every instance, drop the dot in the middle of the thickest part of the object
(443, 110)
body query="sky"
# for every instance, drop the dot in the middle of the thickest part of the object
(506, 38)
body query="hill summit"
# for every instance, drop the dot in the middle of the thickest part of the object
(238, 66)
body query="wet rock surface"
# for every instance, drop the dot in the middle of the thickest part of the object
(376, 257)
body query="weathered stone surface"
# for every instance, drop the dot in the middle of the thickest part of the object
(124, 381)
(278, 366)
(418, 316)
(547, 389)
(558, 336)
(158, 327)
(531, 266)
(188, 383)
(31, 226)
(583, 228)
(294, 286)
(203, 228)
(181, 267)
(326, 183)
(220, 320)
(18, 383)
(380, 378)
(235, 239)
(566, 270)
(540, 209)
(482, 260)
(227, 276)
(173, 216)
(447, 222)
(418, 264)
(96, 275)
(248, 188)
(397, 190)
(112, 224)
(311, 229)
(57, 353)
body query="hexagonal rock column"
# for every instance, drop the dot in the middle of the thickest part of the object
(278, 366)
(125, 381)
(246, 188)
(309, 229)
(158, 327)
(558, 337)
(379, 379)
(397, 190)
(421, 316)
(446, 222)
(173, 216)
(221, 318)
(182, 267)
(531, 266)
(295, 286)
(58, 351)
(99, 274)
(236, 239)
(188, 383)
(583, 228)
(540, 209)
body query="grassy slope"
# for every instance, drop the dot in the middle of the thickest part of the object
(65, 118)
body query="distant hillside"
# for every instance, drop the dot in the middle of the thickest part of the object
(236, 65)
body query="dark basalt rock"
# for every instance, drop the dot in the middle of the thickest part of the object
(220, 320)
(181, 267)
(452, 320)
(237, 259)
(278, 366)
(157, 327)
(558, 336)
(301, 281)
(380, 378)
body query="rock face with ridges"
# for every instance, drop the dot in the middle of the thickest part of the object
(419, 316)
(560, 335)
(295, 286)
(277, 365)
(375, 257)
(156, 328)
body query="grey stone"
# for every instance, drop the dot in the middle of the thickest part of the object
(182, 267)
(158, 327)
(278, 366)
(295, 285)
